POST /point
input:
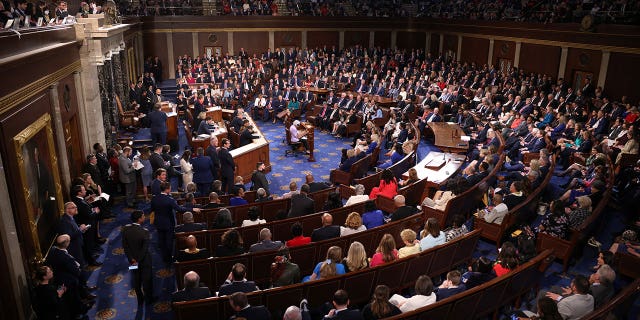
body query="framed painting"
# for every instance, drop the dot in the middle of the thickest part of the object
(40, 181)
(213, 51)
(580, 79)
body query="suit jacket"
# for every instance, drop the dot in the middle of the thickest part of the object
(69, 226)
(67, 269)
(324, 233)
(189, 294)
(165, 218)
(403, 212)
(135, 241)
(85, 213)
(253, 313)
(246, 137)
(301, 205)
(347, 314)
(259, 180)
(265, 245)
(191, 227)
(227, 166)
(157, 121)
(212, 153)
(237, 286)
(202, 169)
(317, 186)
(157, 161)
(126, 172)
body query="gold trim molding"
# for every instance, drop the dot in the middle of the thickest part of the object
(25, 93)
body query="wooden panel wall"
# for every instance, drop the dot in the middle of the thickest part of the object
(352, 38)
(475, 50)
(252, 42)
(540, 58)
(322, 38)
(287, 39)
(450, 43)
(213, 39)
(411, 40)
(182, 44)
(382, 39)
(619, 82)
(155, 44)
(502, 49)
(583, 60)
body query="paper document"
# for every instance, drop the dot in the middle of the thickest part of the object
(105, 196)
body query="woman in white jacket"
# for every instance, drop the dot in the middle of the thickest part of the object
(186, 167)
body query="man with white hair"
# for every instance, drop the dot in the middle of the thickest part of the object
(265, 243)
(358, 197)
(298, 135)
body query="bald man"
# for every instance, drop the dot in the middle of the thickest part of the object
(327, 231)
(402, 210)
(192, 289)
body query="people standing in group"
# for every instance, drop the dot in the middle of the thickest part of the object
(158, 125)
(227, 165)
(202, 167)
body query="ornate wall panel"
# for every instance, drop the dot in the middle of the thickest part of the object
(475, 50)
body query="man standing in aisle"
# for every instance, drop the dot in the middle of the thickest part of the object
(164, 207)
(135, 241)
(128, 175)
(227, 166)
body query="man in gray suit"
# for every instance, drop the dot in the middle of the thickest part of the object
(579, 303)
(265, 243)
(128, 175)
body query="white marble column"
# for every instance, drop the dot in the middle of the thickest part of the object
(604, 68)
(459, 51)
(13, 258)
(196, 44)
(341, 40)
(272, 41)
(304, 39)
(516, 58)
(372, 39)
(170, 57)
(394, 39)
(63, 161)
(563, 62)
(90, 112)
(490, 53)
(427, 43)
(230, 42)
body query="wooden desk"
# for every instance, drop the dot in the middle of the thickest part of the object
(452, 163)
(247, 156)
(172, 122)
(197, 141)
(448, 137)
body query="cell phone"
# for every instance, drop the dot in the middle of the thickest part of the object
(88, 226)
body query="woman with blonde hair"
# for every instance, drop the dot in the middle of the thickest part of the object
(330, 267)
(410, 246)
(356, 258)
(413, 177)
(352, 225)
(386, 251)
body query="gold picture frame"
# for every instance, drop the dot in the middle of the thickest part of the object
(212, 51)
(40, 180)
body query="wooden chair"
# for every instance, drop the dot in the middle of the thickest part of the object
(358, 169)
(354, 127)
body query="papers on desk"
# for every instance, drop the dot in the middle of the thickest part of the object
(435, 163)
(465, 138)
(203, 136)
(172, 114)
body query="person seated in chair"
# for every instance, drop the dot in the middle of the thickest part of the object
(192, 289)
(237, 282)
(240, 304)
(214, 201)
(340, 310)
(451, 286)
(188, 225)
(192, 252)
(327, 231)
(238, 198)
(265, 243)
(299, 136)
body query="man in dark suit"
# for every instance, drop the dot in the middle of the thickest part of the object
(240, 304)
(478, 176)
(160, 177)
(327, 231)
(135, 241)
(69, 227)
(237, 282)
(301, 204)
(156, 159)
(67, 271)
(202, 171)
(315, 186)
(402, 210)
(158, 125)
(188, 225)
(192, 289)
(163, 207)
(227, 166)
(341, 309)
(258, 178)
(265, 243)
(247, 134)
(86, 215)
(212, 152)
